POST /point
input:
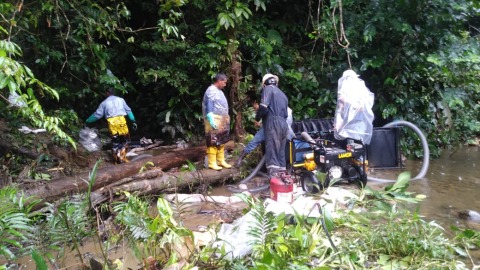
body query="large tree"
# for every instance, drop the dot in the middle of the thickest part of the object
(419, 57)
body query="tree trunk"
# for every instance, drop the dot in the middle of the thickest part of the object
(55, 189)
(234, 77)
(166, 181)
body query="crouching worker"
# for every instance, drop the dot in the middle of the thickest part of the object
(114, 109)
(217, 122)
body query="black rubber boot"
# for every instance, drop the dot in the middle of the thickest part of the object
(240, 159)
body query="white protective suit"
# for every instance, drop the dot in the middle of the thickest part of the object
(354, 115)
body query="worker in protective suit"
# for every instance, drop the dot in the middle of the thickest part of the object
(217, 122)
(354, 115)
(260, 135)
(114, 109)
(260, 138)
(273, 111)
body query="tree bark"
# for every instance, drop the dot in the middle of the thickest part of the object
(166, 181)
(234, 77)
(18, 149)
(55, 189)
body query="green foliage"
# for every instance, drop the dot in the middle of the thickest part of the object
(16, 221)
(396, 192)
(280, 244)
(403, 240)
(156, 234)
(20, 79)
(72, 221)
(465, 240)
(39, 261)
(248, 138)
(65, 226)
(261, 229)
(144, 166)
(179, 208)
(376, 231)
(419, 58)
(189, 167)
(47, 238)
(400, 239)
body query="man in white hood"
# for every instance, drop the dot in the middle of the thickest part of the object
(354, 115)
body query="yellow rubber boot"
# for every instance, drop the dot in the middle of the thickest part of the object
(212, 158)
(221, 157)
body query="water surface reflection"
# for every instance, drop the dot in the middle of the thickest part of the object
(451, 185)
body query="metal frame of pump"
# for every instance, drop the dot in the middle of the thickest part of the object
(309, 173)
(327, 156)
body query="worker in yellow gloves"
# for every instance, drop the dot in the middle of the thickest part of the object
(217, 122)
(114, 109)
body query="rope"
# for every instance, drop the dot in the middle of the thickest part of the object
(342, 32)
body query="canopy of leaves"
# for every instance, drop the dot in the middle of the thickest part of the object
(419, 58)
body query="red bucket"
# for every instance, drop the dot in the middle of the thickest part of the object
(280, 191)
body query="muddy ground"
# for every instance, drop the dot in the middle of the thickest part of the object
(33, 156)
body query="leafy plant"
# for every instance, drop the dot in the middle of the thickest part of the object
(66, 226)
(16, 220)
(16, 76)
(403, 240)
(147, 235)
(144, 166)
(397, 191)
(189, 167)
(39, 261)
(179, 208)
(285, 242)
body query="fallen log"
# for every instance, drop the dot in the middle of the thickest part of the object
(140, 176)
(55, 189)
(166, 181)
(139, 149)
(5, 144)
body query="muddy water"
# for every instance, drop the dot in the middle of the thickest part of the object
(451, 185)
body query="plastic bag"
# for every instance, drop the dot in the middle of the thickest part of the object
(16, 100)
(27, 130)
(234, 237)
(354, 115)
(90, 140)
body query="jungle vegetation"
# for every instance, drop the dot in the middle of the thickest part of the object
(374, 230)
(419, 57)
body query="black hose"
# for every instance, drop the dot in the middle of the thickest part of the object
(251, 190)
(254, 173)
(324, 228)
(263, 175)
(140, 157)
(426, 151)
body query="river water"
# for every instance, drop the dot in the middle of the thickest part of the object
(451, 185)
